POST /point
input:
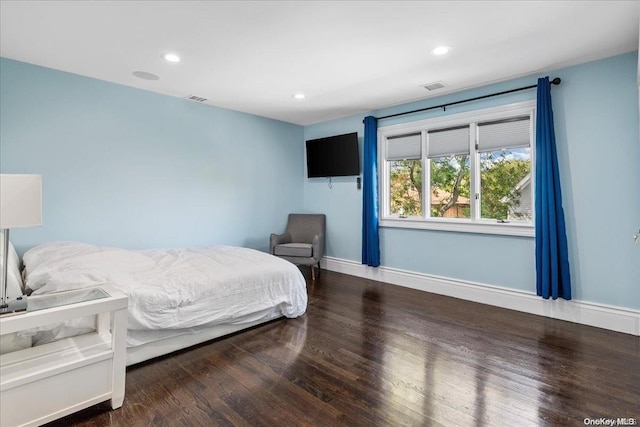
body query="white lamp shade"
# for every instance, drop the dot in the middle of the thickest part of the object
(20, 201)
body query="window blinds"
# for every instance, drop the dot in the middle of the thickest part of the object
(510, 133)
(449, 141)
(492, 136)
(404, 147)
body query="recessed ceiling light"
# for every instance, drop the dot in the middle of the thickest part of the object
(172, 57)
(299, 96)
(145, 76)
(441, 50)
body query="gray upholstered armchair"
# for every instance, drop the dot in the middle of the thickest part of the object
(302, 243)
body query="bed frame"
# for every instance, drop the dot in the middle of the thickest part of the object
(169, 345)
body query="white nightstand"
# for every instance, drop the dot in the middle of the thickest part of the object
(40, 384)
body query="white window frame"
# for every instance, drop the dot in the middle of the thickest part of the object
(475, 224)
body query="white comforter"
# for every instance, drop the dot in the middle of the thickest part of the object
(173, 288)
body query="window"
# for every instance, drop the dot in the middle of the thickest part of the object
(404, 155)
(466, 172)
(449, 172)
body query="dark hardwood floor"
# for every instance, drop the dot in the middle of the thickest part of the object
(372, 354)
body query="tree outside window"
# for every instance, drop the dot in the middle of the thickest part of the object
(494, 149)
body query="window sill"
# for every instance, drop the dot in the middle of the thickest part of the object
(460, 226)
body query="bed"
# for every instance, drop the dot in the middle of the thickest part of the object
(177, 297)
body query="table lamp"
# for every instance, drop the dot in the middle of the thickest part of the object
(20, 206)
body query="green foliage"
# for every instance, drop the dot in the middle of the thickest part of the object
(500, 174)
(452, 175)
(406, 187)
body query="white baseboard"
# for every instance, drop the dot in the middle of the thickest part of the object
(599, 315)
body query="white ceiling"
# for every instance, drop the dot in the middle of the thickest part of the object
(348, 57)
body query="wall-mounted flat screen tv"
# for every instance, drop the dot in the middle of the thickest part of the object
(333, 156)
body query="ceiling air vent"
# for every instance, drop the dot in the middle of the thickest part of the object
(434, 85)
(195, 98)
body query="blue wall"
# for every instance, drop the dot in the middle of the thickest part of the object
(596, 116)
(135, 169)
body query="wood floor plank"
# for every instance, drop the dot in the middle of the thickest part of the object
(373, 354)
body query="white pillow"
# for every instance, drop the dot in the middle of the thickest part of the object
(14, 279)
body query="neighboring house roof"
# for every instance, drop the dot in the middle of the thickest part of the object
(519, 186)
(524, 181)
(439, 197)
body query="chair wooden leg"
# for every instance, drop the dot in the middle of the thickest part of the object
(313, 274)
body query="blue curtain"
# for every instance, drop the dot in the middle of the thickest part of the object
(552, 258)
(370, 239)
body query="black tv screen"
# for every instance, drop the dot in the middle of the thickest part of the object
(333, 156)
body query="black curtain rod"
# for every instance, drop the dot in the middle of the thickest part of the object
(555, 81)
